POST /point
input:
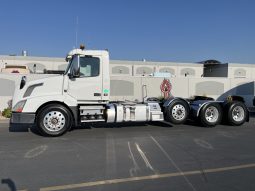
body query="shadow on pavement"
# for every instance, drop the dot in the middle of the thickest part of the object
(123, 125)
(164, 124)
(10, 183)
(252, 114)
(23, 128)
(18, 128)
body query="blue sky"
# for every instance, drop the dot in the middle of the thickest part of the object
(159, 30)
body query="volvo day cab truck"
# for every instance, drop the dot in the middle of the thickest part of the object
(82, 95)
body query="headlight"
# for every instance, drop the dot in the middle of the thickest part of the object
(19, 106)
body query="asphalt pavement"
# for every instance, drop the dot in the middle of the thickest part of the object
(128, 157)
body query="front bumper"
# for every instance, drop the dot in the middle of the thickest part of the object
(24, 118)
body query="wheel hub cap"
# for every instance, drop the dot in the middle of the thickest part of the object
(238, 113)
(54, 121)
(211, 114)
(178, 112)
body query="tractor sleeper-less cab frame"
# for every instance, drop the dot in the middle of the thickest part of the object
(82, 95)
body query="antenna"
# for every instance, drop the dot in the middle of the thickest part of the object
(76, 31)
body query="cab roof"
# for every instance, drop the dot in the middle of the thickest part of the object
(86, 52)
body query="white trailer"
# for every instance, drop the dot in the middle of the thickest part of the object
(82, 95)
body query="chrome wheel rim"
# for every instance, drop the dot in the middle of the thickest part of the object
(178, 112)
(211, 114)
(238, 113)
(54, 121)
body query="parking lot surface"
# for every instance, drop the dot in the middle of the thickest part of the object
(140, 156)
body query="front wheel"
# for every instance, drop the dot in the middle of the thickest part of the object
(211, 115)
(54, 120)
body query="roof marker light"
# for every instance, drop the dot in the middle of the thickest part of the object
(82, 46)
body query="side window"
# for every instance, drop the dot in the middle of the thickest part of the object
(89, 66)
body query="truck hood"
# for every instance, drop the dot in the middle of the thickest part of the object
(36, 88)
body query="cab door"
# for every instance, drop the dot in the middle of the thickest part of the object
(88, 86)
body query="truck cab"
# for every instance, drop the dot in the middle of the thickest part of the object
(85, 81)
(87, 77)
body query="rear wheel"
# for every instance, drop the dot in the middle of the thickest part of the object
(211, 115)
(177, 112)
(54, 120)
(237, 113)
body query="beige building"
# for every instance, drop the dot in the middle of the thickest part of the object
(117, 67)
(128, 78)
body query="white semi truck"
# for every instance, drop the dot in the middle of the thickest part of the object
(82, 95)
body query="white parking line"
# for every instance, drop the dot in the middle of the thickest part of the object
(226, 134)
(140, 178)
(136, 167)
(203, 143)
(148, 164)
(36, 151)
(172, 161)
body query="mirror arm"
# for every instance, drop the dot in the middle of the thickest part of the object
(70, 76)
(74, 72)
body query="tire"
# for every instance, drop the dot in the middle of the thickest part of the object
(54, 120)
(177, 112)
(210, 115)
(237, 113)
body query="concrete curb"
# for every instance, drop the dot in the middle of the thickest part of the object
(4, 120)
